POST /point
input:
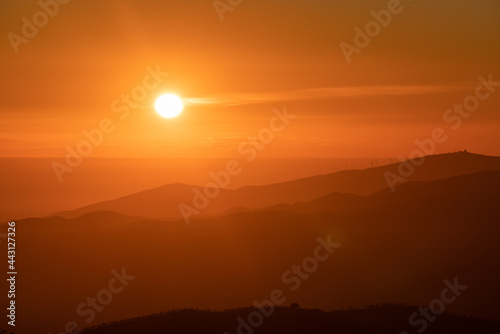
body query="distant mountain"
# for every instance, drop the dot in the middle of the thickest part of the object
(91, 221)
(394, 248)
(163, 202)
(380, 319)
(458, 188)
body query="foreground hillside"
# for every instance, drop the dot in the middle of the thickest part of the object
(380, 319)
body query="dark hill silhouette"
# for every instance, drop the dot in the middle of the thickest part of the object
(163, 202)
(381, 319)
(89, 221)
(400, 251)
(457, 188)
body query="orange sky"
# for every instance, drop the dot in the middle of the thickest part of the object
(232, 74)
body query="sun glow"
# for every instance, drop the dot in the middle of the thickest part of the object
(169, 105)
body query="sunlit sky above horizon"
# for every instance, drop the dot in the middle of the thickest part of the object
(232, 74)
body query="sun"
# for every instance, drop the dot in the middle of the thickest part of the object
(169, 105)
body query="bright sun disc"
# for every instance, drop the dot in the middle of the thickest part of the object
(169, 106)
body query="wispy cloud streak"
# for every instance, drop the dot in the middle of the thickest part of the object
(325, 93)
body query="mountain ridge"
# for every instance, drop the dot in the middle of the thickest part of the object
(164, 201)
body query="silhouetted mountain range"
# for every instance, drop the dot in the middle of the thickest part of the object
(483, 185)
(164, 202)
(376, 319)
(394, 248)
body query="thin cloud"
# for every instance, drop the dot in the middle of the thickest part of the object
(325, 93)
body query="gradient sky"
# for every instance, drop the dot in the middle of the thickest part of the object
(232, 74)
